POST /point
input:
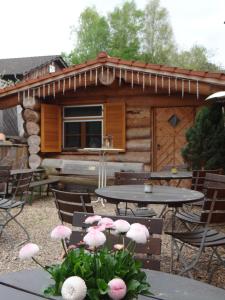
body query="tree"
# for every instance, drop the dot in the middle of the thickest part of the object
(159, 46)
(197, 58)
(206, 140)
(92, 36)
(125, 24)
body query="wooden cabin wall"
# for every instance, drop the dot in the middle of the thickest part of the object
(139, 123)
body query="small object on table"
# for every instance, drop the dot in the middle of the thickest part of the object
(174, 170)
(148, 186)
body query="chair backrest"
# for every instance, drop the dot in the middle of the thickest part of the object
(148, 253)
(69, 202)
(4, 178)
(213, 210)
(20, 184)
(198, 178)
(121, 178)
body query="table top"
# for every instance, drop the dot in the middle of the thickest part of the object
(103, 149)
(164, 286)
(172, 196)
(23, 171)
(167, 175)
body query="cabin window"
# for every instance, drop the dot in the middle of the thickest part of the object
(82, 126)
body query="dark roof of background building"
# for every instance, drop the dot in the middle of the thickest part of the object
(24, 65)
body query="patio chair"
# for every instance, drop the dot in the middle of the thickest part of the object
(12, 205)
(4, 180)
(148, 254)
(126, 178)
(213, 213)
(69, 202)
(191, 219)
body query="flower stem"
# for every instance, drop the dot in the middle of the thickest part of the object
(43, 267)
(64, 248)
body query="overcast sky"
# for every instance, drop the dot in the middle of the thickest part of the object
(33, 28)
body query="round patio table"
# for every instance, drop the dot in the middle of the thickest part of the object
(169, 195)
(30, 284)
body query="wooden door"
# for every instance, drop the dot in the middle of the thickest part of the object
(170, 126)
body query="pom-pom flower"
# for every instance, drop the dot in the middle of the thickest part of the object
(107, 222)
(28, 251)
(92, 219)
(74, 288)
(117, 289)
(61, 232)
(118, 246)
(94, 238)
(97, 227)
(121, 226)
(138, 233)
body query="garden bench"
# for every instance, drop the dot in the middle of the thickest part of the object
(40, 183)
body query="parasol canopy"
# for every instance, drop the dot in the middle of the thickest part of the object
(218, 97)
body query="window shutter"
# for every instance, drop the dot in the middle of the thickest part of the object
(114, 123)
(51, 135)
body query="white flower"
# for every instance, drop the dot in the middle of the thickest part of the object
(121, 226)
(61, 232)
(97, 227)
(94, 238)
(74, 288)
(28, 251)
(107, 222)
(138, 233)
(92, 219)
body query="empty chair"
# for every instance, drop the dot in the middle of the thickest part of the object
(136, 178)
(148, 253)
(193, 219)
(12, 205)
(69, 202)
(4, 180)
(213, 212)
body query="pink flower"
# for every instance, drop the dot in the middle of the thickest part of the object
(107, 222)
(61, 232)
(28, 251)
(92, 219)
(97, 227)
(121, 226)
(94, 238)
(138, 233)
(74, 288)
(117, 289)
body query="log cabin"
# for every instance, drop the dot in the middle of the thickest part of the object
(145, 108)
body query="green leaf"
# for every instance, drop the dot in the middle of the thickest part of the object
(102, 286)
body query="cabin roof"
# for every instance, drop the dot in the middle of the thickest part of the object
(103, 60)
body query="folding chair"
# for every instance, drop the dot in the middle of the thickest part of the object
(148, 254)
(191, 219)
(69, 202)
(12, 205)
(124, 178)
(213, 212)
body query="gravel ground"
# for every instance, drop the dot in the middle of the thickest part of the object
(40, 218)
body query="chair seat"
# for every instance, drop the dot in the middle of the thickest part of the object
(191, 217)
(11, 204)
(213, 238)
(139, 212)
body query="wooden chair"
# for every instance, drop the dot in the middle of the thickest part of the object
(126, 178)
(148, 253)
(189, 217)
(69, 202)
(16, 201)
(213, 213)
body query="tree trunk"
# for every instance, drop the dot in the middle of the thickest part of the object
(32, 103)
(34, 149)
(30, 115)
(34, 161)
(32, 128)
(34, 140)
